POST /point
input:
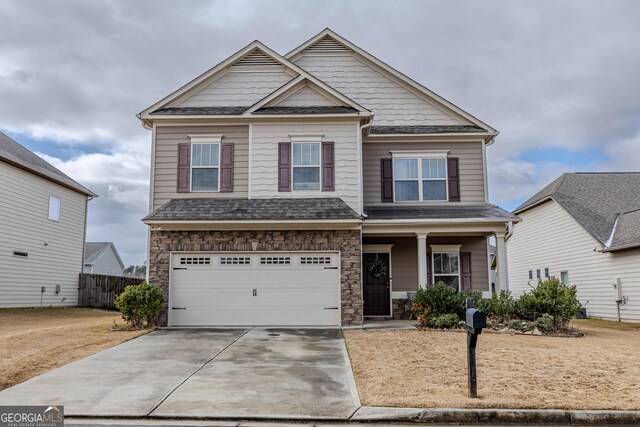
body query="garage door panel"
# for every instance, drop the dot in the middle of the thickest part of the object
(303, 290)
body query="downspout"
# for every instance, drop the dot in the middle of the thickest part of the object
(363, 129)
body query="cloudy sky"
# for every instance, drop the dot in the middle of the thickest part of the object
(559, 79)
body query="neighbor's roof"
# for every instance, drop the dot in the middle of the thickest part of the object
(17, 155)
(419, 130)
(484, 211)
(604, 204)
(94, 250)
(201, 110)
(284, 209)
(337, 109)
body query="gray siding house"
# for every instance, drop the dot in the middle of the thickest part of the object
(584, 229)
(42, 230)
(102, 258)
(314, 188)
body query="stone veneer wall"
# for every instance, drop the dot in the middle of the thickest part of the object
(399, 309)
(346, 241)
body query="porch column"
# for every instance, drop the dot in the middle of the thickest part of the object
(422, 260)
(502, 278)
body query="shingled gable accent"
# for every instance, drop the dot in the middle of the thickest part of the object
(322, 39)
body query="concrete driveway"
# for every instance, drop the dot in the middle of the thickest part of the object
(233, 373)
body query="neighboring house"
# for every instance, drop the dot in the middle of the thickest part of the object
(315, 188)
(583, 228)
(493, 277)
(42, 228)
(102, 258)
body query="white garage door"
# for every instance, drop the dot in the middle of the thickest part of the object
(259, 289)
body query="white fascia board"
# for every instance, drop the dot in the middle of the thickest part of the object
(428, 135)
(144, 114)
(435, 221)
(533, 205)
(395, 73)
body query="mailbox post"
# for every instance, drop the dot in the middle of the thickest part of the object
(475, 321)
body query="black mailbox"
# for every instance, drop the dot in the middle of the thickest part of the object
(476, 320)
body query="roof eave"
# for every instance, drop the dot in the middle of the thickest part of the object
(622, 247)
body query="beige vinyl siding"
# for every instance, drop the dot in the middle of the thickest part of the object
(107, 264)
(306, 97)
(549, 237)
(24, 226)
(264, 151)
(392, 103)
(238, 89)
(404, 259)
(470, 166)
(165, 178)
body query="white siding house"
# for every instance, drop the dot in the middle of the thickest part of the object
(42, 230)
(102, 258)
(557, 238)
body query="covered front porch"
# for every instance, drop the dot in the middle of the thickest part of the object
(401, 255)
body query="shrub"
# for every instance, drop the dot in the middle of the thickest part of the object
(445, 321)
(420, 308)
(546, 323)
(499, 308)
(443, 299)
(549, 297)
(141, 305)
(520, 325)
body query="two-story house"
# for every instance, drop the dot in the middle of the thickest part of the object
(315, 188)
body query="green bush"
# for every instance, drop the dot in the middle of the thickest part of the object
(443, 299)
(499, 308)
(141, 305)
(521, 325)
(546, 323)
(445, 321)
(549, 297)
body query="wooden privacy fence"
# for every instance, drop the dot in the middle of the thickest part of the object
(100, 291)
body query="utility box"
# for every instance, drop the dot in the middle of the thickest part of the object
(476, 321)
(618, 289)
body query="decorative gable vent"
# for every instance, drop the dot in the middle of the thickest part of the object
(326, 44)
(255, 58)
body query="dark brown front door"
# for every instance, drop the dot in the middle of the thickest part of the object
(376, 285)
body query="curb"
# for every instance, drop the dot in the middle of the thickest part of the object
(496, 416)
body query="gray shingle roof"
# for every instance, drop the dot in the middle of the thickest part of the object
(16, 154)
(306, 110)
(627, 231)
(483, 211)
(253, 210)
(387, 130)
(595, 200)
(201, 110)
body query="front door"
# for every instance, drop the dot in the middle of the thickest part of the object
(377, 292)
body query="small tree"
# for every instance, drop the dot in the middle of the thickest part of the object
(141, 305)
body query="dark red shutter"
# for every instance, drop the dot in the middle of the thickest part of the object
(386, 179)
(328, 166)
(453, 179)
(465, 270)
(226, 168)
(184, 163)
(429, 263)
(284, 166)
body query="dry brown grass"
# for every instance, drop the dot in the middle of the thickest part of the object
(33, 341)
(411, 368)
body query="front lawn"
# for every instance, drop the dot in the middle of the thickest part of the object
(413, 368)
(33, 340)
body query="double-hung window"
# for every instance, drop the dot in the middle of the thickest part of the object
(306, 165)
(205, 167)
(446, 268)
(420, 179)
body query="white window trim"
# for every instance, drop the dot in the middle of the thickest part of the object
(419, 156)
(445, 249)
(306, 137)
(191, 167)
(319, 166)
(51, 196)
(210, 138)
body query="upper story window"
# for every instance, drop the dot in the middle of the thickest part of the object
(420, 179)
(306, 165)
(205, 167)
(54, 208)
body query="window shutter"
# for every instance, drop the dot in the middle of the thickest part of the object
(429, 261)
(453, 179)
(226, 168)
(284, 166)
(328, 168)
(184, 164)
(465, 270)
(386, 178)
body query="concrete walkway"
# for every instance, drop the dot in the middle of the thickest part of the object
(248, 373)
